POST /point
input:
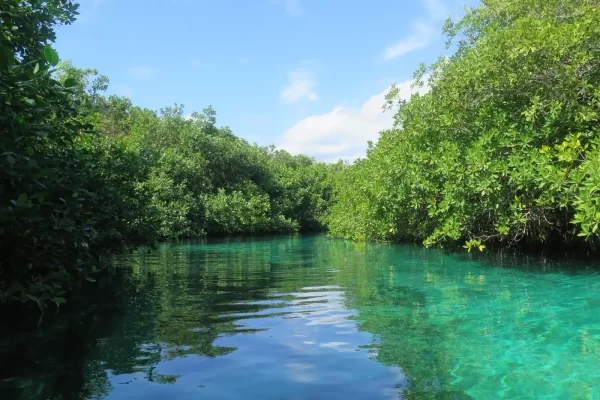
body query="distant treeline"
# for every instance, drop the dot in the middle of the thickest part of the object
(84, 174)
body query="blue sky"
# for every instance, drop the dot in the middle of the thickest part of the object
(306, 75)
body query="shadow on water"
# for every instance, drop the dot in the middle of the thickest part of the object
(47, 361)
(306, 317)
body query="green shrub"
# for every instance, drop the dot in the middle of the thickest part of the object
(503, 149)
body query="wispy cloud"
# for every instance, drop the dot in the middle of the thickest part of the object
(203, 64)
(421, 37)
(423, 33)
(211, 61)
(301, 85)
(198, 63)
(140, 72)
(344, 131)
(437, 9)
(301, 372)
(293, 8)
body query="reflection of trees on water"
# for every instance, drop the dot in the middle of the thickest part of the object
(395, 312)
(177, 300)
(182, 297)
(46, 362)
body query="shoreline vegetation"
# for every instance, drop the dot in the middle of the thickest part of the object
(501, 152)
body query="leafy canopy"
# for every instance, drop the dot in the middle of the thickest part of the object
(503, 149)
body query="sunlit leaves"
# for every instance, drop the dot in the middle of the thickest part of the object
(51, 55)
(21, 200)
(503, 149)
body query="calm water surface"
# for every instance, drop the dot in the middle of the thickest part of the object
(306, 317)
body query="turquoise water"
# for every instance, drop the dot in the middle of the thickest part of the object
(306, 317)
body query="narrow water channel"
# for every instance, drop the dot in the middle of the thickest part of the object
(307, 317)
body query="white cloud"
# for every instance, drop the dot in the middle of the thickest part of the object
(203, 64)
(437, 9)
(334, 344)
(421, 37)
(212, 61)
(292, 7)
(424, 32)
(301, 372)
(344, 131)
(140, 71)
(300, 86)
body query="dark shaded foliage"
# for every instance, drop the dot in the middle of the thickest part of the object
(84, 175)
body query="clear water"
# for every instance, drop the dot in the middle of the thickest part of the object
(306, 317)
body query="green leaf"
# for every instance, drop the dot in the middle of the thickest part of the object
(37, 68)
(51, 55)
(70, 82)
(59, 300)
(21, 200)
(33, 164)
(40, 196)
(6, 57)
(11, 160)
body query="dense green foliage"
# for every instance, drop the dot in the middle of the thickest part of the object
(83, 174)
(57, 216)
(503, 149)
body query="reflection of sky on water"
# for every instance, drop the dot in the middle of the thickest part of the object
(305, 326)
(301, 372)
(293, 348)
(310, 318)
